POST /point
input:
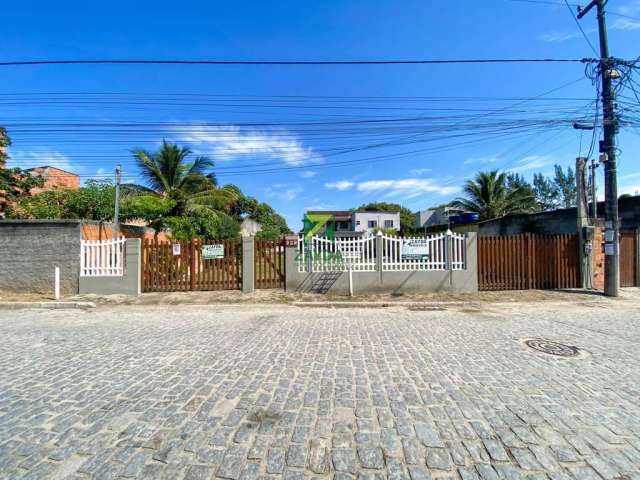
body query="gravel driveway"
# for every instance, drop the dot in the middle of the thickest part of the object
(269, 391)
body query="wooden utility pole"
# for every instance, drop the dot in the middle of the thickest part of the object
(610, 129)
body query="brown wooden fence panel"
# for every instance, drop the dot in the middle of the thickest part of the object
(166, 270)
(628, 262)
(528, 261)
(269, 266)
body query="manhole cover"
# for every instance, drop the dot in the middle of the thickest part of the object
(552, 348)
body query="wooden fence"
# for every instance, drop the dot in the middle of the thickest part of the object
(269, 263)
(528, 261)
(628, 258)
(180, 266)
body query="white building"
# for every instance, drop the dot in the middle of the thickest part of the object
(367, 221)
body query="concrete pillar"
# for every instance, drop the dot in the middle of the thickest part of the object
(248, 264)
(291, 263)
(133, 263)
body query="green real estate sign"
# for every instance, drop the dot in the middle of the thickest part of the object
(211, 252)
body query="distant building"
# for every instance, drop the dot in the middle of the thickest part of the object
(442, 216)
(249, 227)
(54, 178)
(347, 223)
(367, 221)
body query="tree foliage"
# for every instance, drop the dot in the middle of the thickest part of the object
(556, 192)
(95, 201)
(407, 219)
(490, 195)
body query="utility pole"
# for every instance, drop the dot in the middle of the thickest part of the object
(610, 127)
(594, 196)
(116, 214)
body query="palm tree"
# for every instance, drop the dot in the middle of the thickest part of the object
(168, 174)
(191, 185)
(490, 196)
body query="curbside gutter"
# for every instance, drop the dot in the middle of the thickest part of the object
(46, 305)
(356, 304)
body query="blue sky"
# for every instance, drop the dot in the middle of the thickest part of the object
(296, 137)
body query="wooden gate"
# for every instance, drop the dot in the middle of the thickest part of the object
(528, 261)
(628, 259)
(269, 263)
(180, 266)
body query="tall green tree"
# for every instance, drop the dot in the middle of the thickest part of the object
(566, 185)
(407, 219)
(5, 141)
(490, 196)
(546, 192)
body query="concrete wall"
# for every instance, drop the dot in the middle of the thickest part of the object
(385, 282)
(128, 284)
(31, 249)
(557, 222)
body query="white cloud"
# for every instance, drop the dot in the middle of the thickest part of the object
(529, 163)
(308, 174)
(320, 207)
(40, 157)
(480, 160)
(229, 143)
(284, 191)
(629, 175)
(406, 188)
(625, 24)
(340, 185)
(419, 171)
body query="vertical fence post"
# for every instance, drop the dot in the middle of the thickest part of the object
(56, 283)
(192, 264)
(379, 253)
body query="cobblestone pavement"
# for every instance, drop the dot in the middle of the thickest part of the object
(285, 392)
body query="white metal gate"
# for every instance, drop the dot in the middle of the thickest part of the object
(102, 258)
(382, 252)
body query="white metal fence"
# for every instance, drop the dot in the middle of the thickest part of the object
(102, 258)
(366, 254)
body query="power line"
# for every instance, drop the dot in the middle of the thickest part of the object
(17, 63)
(593, 49)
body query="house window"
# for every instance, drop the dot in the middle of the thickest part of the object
(372, 224)
(388, 224)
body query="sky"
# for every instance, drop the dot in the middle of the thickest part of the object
(312, 137)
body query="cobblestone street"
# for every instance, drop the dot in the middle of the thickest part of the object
(272, 391)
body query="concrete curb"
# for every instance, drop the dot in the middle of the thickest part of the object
(46, 305)
(421, 305)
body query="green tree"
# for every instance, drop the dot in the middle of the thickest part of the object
(566, 185)
(489, 196)
(5, 141)
(407, 219)
(272, 224)
(545, 191)
(95, 201)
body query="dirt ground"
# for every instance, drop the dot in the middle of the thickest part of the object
(280, 296)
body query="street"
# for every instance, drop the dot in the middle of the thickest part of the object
(277, 391)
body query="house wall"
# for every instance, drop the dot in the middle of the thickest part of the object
(55, 178)
(379, 217)
(31, 249)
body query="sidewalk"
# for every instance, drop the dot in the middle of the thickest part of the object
(282, 297)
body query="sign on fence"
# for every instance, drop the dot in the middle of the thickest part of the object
(176, 249)
(415, 249)
(212, 252)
